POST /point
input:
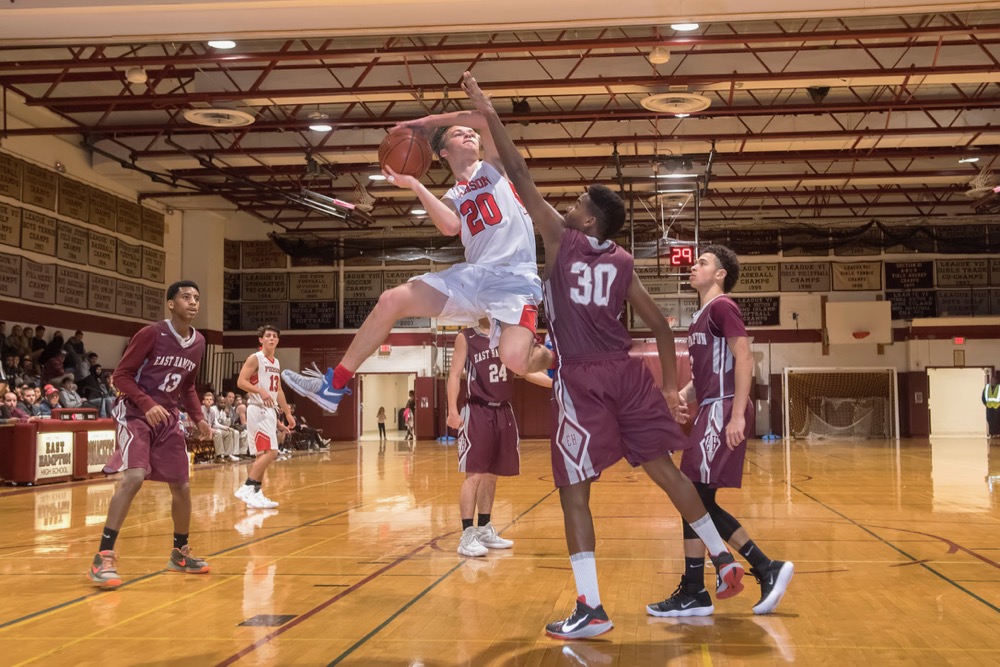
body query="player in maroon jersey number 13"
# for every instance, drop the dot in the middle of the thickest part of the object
(156, 374)
(607, 405)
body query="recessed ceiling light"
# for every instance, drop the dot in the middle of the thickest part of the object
(969, 159)
(222, 44)
(418, 211)
(376, 177)
(681, 115)
(683, 27)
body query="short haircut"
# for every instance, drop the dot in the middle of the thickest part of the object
(727, 260)
(78, 333)
(437, 140)
(39, 327)
(176, 287)
(608, 208)
(265, 328)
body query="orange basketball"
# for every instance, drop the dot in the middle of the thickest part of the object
(405, 152)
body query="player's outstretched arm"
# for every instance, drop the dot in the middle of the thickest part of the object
(454, 384)
(546, 219)
(441, 213)
(646, 309)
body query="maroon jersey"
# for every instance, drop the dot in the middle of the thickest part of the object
(487, 379)
(159, 368)
(584, 297)
(711, 358)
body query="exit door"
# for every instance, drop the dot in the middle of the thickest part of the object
(955, 401)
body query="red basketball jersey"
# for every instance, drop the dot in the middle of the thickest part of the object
(159, 368)
(584, 297)
(487, 379)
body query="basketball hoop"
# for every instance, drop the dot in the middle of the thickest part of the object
(861, 334)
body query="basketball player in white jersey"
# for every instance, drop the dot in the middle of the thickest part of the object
(498, 280)
(260, 378)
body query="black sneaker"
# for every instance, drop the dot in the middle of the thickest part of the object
(773, 582)
(687, 600)
(583, 622)
(728, 576)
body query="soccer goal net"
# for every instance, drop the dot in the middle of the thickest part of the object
(852, 403)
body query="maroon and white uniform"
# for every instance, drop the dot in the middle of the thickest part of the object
(159, 367)
(709, 460)
(262, 421)
(488, 441)
(606, 403)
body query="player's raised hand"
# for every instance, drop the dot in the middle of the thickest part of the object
(420, 125)
(204, 430)
(156, 415)
(734, 431)
(400, 180)
(480, 100)
(454, 420)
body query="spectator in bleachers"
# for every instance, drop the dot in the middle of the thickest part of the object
(49, 403)
(4, 388)
(6, 374)
(75, 352)
(16, 340)
(54, 370)
(11, 361)
(68, 395)
(12, 410)
(52, 348)
(31, 397)
(109, 382)
(28, 373)
(26, 335)
(37, 344)
(87, 361)
(225, 444)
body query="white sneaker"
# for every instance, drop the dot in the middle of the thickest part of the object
(244, 492)
(233, 457)
(259, 501)
(469, 544)
(488, 538)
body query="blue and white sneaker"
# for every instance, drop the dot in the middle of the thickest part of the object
(548, 344)
(313, 384)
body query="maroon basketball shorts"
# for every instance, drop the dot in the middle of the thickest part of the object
(488, 440)
(606, 409)
(159, 450)
(708, 460)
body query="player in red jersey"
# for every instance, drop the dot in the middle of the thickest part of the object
(156, 374)
(488, 442)
(607, 405)
(722, 372)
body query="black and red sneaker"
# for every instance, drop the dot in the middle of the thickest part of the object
(583, 622)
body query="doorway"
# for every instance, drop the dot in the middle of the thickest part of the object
(382, 390)
(954, 400)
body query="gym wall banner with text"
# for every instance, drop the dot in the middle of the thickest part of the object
(64, 243)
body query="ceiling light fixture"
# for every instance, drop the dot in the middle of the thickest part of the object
(681, 115)
(376, 177)
(966, 160)
(684, 27)
(659, 55)
(222, 44)
(136, 75)
(418, 211)
(319, 122)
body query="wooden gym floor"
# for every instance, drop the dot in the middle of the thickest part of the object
(897, 554)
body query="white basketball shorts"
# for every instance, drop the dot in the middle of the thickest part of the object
(262, 427)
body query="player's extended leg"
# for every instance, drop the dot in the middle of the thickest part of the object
(519, 352)
(589, 618)
(488, 536)
(104, 570)
(181, 559)
(413, 299)
(469, 544)
(684, 496)
(772, 575)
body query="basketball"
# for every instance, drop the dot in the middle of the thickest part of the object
(405, 152)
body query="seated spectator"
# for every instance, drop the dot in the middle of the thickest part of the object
(4, 388)
(52, 348)
(97, 394)
(50, 403)
(68, 395)
(225, 444)
(37, 344)
(16, 341)
(87, 362)
(11, 411)
(54, 370)
(75, 351)
(27, 334)
(309, 436)
(28, 373)
(109, 383)
(30, 399)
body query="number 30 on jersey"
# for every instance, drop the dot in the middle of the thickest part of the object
(593, 284)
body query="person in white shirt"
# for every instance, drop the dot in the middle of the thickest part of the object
(225, 443)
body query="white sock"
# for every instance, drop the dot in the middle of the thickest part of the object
(585, 573)
(709, 534)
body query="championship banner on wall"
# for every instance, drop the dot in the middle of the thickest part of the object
(103, 251)
(10, 225)
(74, 199)
(11, 176)
(38, 281)
(909, 275)
(805, 277)
(38, 233)
(72, 243)
(317, 286)
(264, 286)
(129, 219)
(760, 311)
(39, 187)
(71, 287)
(10, 275)
(757, 278)
(857, 276)
(962, 272)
